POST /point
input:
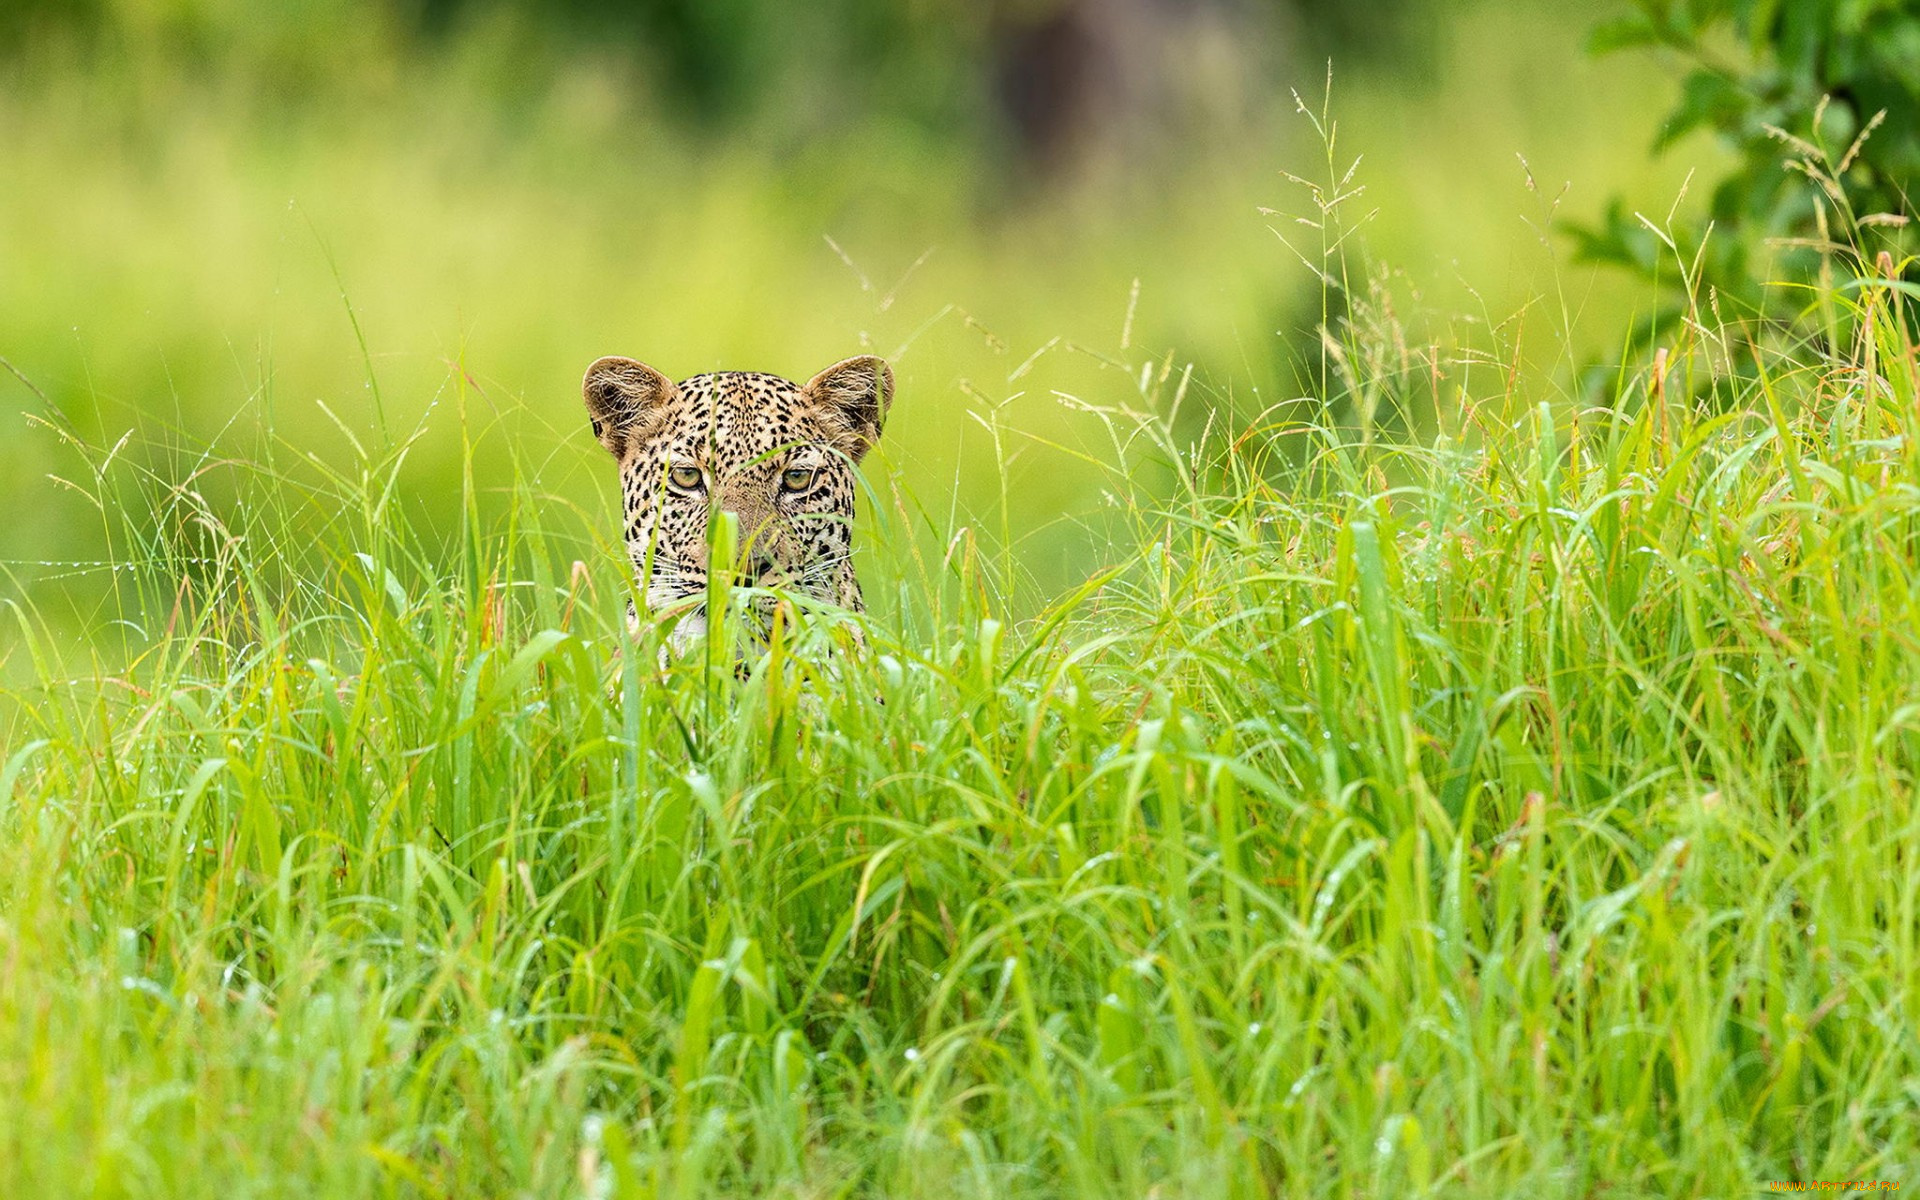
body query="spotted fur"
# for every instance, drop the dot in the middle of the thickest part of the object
(779, 456)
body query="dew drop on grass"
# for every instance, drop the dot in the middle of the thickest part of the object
(1389, 1134)
(913, 1054)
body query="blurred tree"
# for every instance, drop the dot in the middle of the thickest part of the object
(1829, 88)
(1087, 84)
(1055, 83)
(1398, 31)
(22, 20)
(1053, 88)
(1046, 91)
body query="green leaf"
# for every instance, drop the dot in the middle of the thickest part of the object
(1709, 99)
(1622, 33)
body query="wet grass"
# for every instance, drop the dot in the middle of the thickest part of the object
(1524, 809)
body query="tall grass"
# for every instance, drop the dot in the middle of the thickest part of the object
(1524, 809)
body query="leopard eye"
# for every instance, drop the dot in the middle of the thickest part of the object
(797, 479)
(685, 478)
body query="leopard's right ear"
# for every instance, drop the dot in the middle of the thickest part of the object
(853, 396)
(622, 397)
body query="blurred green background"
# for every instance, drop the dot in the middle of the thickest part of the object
(208, 206)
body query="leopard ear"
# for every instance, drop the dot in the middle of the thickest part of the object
(622, 395)
(852, 398)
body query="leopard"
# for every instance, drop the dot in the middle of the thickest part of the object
(782, 457)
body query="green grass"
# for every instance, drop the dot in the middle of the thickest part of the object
(1523, 808)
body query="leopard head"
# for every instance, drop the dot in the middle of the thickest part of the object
(779, 456)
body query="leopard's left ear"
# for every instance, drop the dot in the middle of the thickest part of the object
(852, 398)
